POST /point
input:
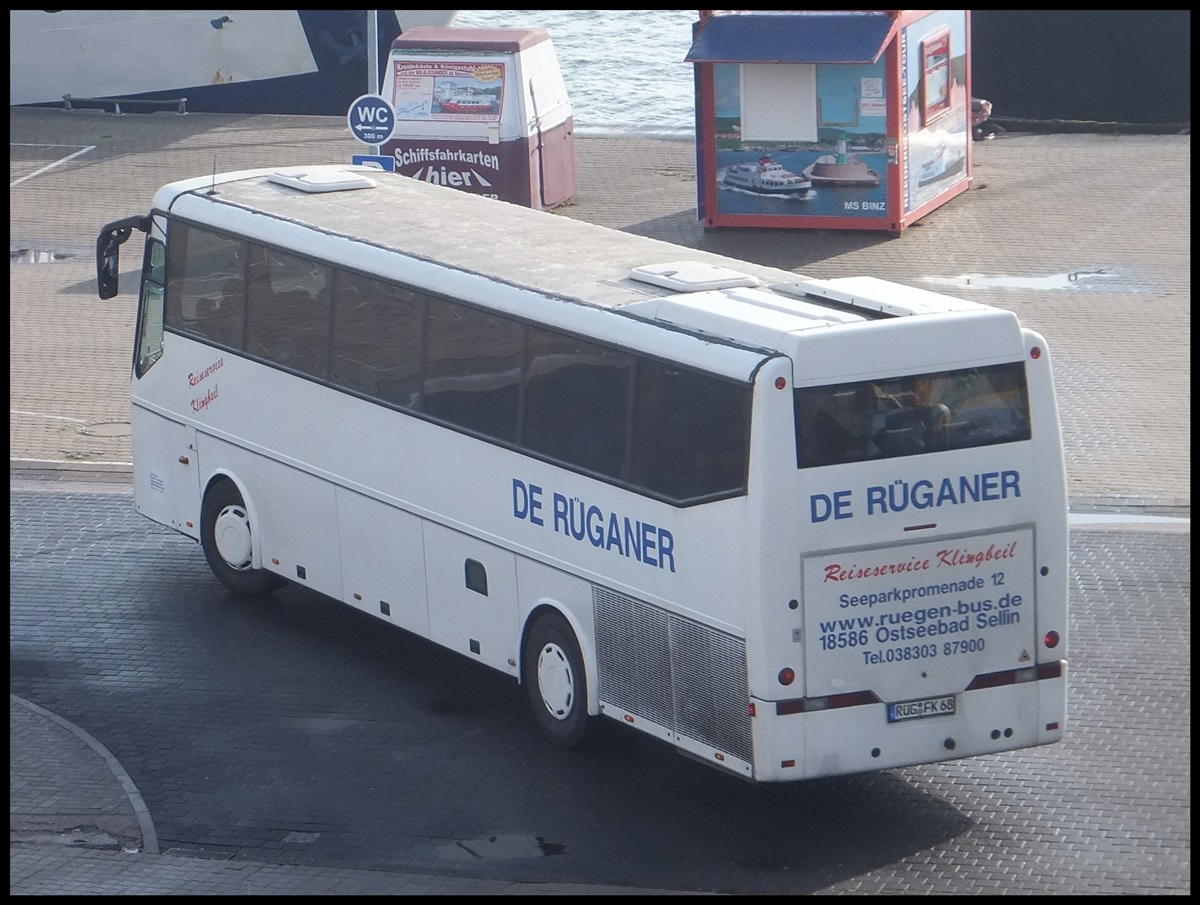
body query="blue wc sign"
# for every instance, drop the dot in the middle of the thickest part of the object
(371, 119)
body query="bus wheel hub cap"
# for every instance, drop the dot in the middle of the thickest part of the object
(232, 535)
(554, 681)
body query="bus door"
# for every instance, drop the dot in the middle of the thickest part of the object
(166, 468)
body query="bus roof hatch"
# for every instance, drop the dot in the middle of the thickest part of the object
(691, 276)
(315, 180)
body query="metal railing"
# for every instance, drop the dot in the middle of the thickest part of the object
(71, 103)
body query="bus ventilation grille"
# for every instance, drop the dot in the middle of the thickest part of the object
(672, 671)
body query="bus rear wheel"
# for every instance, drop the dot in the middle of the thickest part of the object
(227, 538)
(555, 681)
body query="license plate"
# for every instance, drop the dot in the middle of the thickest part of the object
(900, 711)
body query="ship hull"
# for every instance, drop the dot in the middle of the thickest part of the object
(310, 62)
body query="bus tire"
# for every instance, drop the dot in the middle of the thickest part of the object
(226, 536)
(555, 681)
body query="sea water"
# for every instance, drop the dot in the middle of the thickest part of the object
(624, 68)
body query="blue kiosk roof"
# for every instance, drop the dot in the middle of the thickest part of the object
(793, 38)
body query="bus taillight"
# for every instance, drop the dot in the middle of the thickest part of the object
(1051, 640)
(831, 702)
(787, 676)
(1053, 670)
(1050, 670)
(852, 699)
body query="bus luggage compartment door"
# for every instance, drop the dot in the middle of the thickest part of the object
(472, 597)
(166, 472)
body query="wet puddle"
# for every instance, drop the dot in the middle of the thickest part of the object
(28, 255)
(1095, 279)
(487, 848)
(301, 838)
(106, 429)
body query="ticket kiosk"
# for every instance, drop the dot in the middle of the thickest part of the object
(830, 119)
(482, 110)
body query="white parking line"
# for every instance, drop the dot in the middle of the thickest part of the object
(47, 415)
(49, 462)
(49, 166)
(1083, 519)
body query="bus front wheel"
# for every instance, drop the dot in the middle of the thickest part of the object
(555, 682)
(227, 539)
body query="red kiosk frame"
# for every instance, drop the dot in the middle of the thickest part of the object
(835, 119)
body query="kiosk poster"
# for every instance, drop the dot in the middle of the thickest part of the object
(937, 129)
(447, 91)
(801, 140)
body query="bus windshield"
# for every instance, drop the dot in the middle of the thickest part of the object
(910, 415)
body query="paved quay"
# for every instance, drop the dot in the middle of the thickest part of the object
(1086, 237)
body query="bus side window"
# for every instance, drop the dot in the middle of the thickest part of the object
(690, 432)
(288, 311)
(473, 362)
(723, 423)
(205, 292)
(377, 339)
(576, 402)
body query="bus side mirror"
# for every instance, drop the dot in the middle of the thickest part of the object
(106, 272)
(108, 252)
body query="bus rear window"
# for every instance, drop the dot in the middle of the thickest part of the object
(911, 415)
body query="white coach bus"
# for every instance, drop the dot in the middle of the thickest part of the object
(795, 528)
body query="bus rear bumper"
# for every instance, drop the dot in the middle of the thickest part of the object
(860, 739)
